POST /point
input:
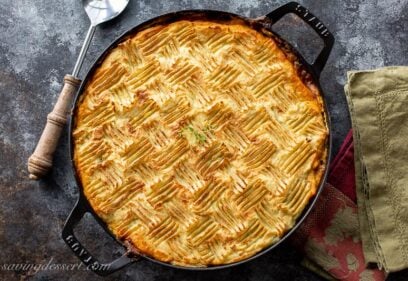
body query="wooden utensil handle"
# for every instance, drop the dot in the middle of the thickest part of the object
(40, 162)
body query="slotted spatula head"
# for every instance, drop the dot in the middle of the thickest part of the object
(100, 11)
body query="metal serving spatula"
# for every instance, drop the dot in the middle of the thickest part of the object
(40, 162)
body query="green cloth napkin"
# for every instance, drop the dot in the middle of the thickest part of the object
(378, 103)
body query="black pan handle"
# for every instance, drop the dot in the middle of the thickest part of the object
(82, 253)
(313, 22)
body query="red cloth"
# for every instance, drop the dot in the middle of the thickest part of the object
(341, 170)
(329, 236)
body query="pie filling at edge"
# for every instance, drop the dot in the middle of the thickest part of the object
(198, 143)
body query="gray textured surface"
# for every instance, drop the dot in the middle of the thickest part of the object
(39, 42)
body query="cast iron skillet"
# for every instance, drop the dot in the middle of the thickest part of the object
(311, 72)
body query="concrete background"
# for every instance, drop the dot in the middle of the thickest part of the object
(39, 43)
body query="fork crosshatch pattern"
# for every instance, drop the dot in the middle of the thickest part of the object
(198, 143)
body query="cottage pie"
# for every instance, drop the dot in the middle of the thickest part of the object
(198, 142)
